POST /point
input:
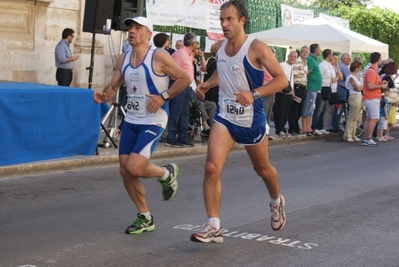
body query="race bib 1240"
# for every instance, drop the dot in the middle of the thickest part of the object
(234, 111)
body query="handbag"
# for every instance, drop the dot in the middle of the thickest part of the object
(334, 98)
(326, 93)
(287, 90)
(393, 96)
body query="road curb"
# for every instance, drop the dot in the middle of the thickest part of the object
(98, 161)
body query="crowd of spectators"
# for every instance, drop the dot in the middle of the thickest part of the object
(320, 89)
(309, 107)
(189, 57)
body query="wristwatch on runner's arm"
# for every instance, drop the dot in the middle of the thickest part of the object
(165, 96)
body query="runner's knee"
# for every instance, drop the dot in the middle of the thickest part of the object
(132, 171)
(212, 168)
(266, 172)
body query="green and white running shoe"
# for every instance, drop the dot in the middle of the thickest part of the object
(140, 225)
(169, 186)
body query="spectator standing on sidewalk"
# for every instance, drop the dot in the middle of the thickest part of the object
(372, 87)
(343, 66)
(313, 86)
(327, 74)
(359, 74)
(162, 40)
(146, 116)
(207, 108)
(240, 117)
(213, 93)
(268, 99)
(167, 46)
(343, 92)
(179, 44)
(390, 75)
(328, 113)
(282, 102)
(300, 70)
(64, 58)
(383, 121)
(355, 88)
(179, 107)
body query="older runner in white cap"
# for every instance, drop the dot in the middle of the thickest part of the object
(146, 71)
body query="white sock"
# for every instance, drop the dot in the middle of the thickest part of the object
(147, 215)
(166, 174)
(214, 222)
(275, 202)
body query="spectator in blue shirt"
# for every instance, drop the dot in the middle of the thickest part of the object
(64, 58)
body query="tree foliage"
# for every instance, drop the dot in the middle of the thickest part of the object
(333, 4)
(377, 23)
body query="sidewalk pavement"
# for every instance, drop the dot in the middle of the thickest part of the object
(109, 156)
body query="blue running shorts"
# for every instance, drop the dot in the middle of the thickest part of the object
(242, 135)
(139, 139)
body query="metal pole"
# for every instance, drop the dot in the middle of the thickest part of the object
(91, 67)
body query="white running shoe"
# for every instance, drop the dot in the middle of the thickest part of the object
(208, 235)
(278, 215)
(368, 142)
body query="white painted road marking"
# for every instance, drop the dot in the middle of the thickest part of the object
(258, 237)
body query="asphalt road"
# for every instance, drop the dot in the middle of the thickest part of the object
(342, 210)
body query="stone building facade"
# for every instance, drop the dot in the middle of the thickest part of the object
(29, 32)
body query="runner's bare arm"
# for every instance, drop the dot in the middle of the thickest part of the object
(263, 56)
(110, 90)
(168, 66)
(260, 56)
(164, 64)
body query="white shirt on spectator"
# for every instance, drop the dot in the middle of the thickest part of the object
(326, 74)
(350, 87)
(334, 86)
(287, 68)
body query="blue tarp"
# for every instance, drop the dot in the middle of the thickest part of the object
(39, 122)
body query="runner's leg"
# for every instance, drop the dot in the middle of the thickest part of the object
(219, 145)
(259, 156)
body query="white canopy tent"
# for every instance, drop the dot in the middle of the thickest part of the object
(324, 33)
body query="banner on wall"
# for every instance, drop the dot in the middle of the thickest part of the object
(214, 30)
(291, 15)
(187, 13)
(336, 20)
(199, 14)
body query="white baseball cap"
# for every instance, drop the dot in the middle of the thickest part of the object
(140, 20)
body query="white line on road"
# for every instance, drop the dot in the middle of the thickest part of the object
(253, 236)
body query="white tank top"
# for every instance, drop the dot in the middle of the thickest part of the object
(232, 78)
(141, 81)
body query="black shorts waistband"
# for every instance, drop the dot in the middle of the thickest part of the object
(64, 69)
